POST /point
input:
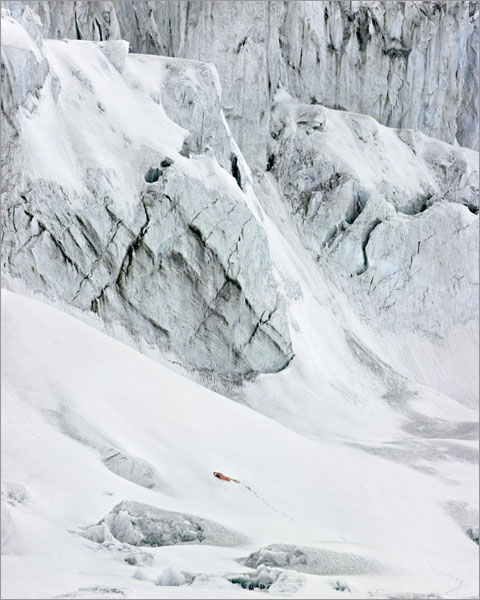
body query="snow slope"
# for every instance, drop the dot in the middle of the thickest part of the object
(69, 392)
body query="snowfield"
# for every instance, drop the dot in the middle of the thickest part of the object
(69, 392)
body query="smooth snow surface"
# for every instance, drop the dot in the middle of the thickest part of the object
(69, 390)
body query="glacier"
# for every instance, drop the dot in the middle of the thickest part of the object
(247, 241)
(375, 58)
(123, 245)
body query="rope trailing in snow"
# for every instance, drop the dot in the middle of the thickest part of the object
(247, 487)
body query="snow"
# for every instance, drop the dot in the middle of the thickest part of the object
(357, 463)
(338, 498)
(143, 525)
(16, 36)
(86, 152)
(309, 560)
(64, 158)
(170, 577)
(406, 64)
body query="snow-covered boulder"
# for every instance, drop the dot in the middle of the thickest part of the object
(98, 534)
(170, 577)
(131, 199)
(311, 560)
(140, 575)
(472, 533)
(14, 493)
(132, 468)
(143, 525)
(276, 581)
(145, 559)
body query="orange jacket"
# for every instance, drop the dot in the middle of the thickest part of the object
(224, 477)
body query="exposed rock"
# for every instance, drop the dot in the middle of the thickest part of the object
(108, 216)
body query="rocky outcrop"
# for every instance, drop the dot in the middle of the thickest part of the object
(392, 215)
(407, 64)
(131, 201)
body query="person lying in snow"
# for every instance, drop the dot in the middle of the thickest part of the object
(224, 477)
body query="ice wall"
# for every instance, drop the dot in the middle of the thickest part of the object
(407, 64)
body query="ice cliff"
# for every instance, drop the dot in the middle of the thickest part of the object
(113, 205)
(407, 64)
(126, 194)
(378, 208)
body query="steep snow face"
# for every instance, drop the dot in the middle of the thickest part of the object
(133, 200)
(378, 208)
(407, 64)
